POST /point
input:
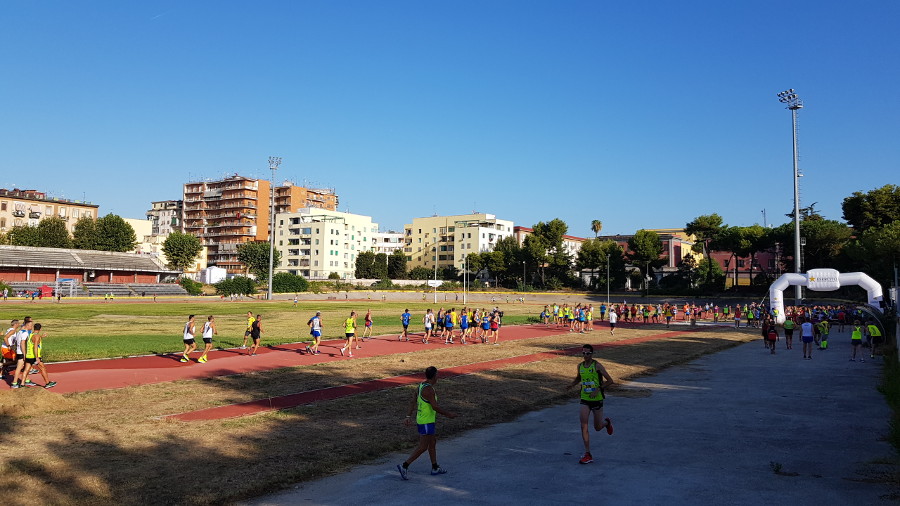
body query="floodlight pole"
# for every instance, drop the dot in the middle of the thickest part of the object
(274, 162)
(793, 102)
(607, 280)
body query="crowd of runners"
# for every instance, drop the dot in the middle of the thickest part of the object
(22, 349)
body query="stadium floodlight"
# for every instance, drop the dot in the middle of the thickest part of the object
(274, 162)
(793, 102)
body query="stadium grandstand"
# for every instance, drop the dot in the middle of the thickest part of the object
(87, 272)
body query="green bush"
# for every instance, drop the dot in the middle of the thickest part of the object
(192, 287)
(420, 273)
(285, 282)
(238, 285)
(334, 275)
(384, 284)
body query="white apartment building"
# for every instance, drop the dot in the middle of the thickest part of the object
(448, 239)
(387, 242)
(315, 242)
(166, 216)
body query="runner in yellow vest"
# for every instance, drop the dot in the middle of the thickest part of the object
(856, 340)
(873, 335)
(589, 375)
(350, 334)
(425, 405)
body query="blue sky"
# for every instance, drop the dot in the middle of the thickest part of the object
(640, 114)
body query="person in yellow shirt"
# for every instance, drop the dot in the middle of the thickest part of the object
(250, 320)
(350, 333)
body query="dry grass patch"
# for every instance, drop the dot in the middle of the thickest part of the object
(110, 447)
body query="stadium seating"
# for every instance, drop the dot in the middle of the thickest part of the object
(151, 289)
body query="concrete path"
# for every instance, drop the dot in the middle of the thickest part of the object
(712, 431)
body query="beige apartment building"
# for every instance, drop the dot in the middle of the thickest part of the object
(229, 212)
(317, 242)
(29, 207)
(446, 240)
(166, 216)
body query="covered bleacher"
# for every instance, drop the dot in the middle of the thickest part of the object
(93, 272)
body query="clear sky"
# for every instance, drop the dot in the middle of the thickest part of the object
(640, 114)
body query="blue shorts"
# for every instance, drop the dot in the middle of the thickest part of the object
(807, 339)
(486, 327)
(463, 327)
(448, 327)
(425, 429)
(316, 333)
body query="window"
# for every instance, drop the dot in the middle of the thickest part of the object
(75, 213)
(3, 206)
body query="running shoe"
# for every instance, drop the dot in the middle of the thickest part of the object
(439, 470)
(14, 385)
(183, 359)
(202, 360)
(403, 471)
(342, 352)
(243, 347)
(50, 385)
(31, 384)
(253, 354)
(35, 371)
(586, 458)
(308, 349)
(609, 427)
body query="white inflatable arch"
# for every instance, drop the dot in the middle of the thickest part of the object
(822, 280)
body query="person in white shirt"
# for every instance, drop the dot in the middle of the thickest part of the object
(806, 335)
(613, 318)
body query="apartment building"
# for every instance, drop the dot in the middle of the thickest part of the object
(229, 212)
(446, 240)
(317, 242)
(29, 207)
(387, 242)
(166, 216)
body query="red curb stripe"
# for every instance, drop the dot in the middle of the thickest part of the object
(332, 393)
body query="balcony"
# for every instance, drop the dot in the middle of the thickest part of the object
(19, 214)
(34, 214)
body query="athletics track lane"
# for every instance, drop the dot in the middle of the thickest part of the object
(331, 393)
(106, 374)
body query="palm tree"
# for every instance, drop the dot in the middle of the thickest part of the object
(596, 226)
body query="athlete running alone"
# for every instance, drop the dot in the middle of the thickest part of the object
(593, 378)
(424, 405)
(315, 330)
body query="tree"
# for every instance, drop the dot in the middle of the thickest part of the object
(506, 258)
(474, 263)
(545, 250)
(255, 256)
(396, 266)
(285, 282)
(84, 233)
(53, 233)
(596, 227)
(711, 271)
(238, 285)
(114, 234)
(380, 266)
(181, 250)
(825, 239)
(705, 228)
(874, 208)
(24, 235)
(646, 248)
(420, 273)
(590, 257)
(364, 268)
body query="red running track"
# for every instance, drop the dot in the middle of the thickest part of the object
(327, 394)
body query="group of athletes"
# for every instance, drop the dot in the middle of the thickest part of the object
(21, 348)
(815, 324)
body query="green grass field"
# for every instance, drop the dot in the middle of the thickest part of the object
(79, 331)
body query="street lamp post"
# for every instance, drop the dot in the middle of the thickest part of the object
(793, 102)
(607, 280)
(465, 279)
(435, 268)
(274, 162)
(523, 276)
